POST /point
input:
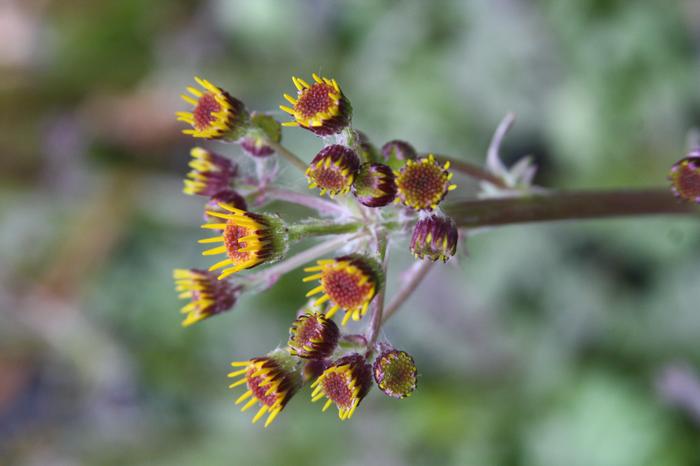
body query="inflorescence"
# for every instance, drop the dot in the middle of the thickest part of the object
(368, 200)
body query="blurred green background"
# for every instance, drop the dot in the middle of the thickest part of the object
(558, 344)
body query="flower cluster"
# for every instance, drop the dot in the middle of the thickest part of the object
(377, 196)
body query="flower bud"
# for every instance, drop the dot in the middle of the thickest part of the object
(248, 239)
(434, 237)
(348, 282)
(216, 115)
(263, 128)
(320, 107)
(210, 173)
(395, 373)
(685, 177)
(422, 184)
(374, 185)
(313, 336)
(227, 196)
(367, 151)
(208, 296)
(333, 170)
(346, 382)
(397, 152)
(271, 380)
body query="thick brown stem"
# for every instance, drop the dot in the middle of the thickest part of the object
(573, 205)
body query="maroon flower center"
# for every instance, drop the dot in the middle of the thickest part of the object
(314, 100)
(686, 179)
(309, 329)
(206, 106)
(232, 234)
(259, 392)
(329, 178)
(344, 289)
(422, 184)
(395, 373)
(336, 386)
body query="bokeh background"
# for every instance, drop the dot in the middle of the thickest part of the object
(558, 344)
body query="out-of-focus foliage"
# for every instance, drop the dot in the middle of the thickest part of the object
(549, 345)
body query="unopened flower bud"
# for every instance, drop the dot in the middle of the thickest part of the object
(434, 238)
(395, 373)
(333, 170)
(227, 196)
(263, 128)
(319, 107)
(397, 152)
(374, 185)
(313, 336)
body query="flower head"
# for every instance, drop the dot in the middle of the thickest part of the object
(210, 173)
(263, 128)
(685, 178)
(423, 183)
(374, 185)
(348, 282)
(319, 107)
(216, 115)
(313, 336)
(208, 296)
(396, 152)
(271, 380)
(333, 170)
(434, 237)
(395, 373)
(346, 382)
(248, 239)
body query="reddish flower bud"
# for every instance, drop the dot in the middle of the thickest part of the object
(271, 380)
(313, 336)
(348, 282)
(248, 239)
(227, 196)
(216, 115)
(422, 184)
(333, 170)
(395, 373)
(263, 128)
(346, 382)
(434, 237)
(320, 107)
(374, 185)
(685, 177)
(208, 296)
(210, 174)
(396, 152)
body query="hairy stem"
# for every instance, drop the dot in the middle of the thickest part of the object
(289, 155)
(415, 277)
(306, 230)
(378, 304)
(312, 202)
(567, 206)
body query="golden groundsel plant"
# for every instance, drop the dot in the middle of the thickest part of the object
(391, 198)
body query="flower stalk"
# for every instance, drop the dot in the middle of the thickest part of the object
(567, 205)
